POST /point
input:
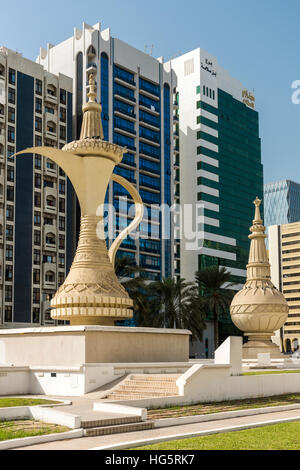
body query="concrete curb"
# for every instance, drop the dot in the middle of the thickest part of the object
(28, 441)
(166, 422)
(174, 437)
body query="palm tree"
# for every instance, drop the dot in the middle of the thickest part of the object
(177, 304)
(128, 274)
(216, 298)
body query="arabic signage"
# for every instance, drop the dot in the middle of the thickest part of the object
(248, 99)
(207, 66)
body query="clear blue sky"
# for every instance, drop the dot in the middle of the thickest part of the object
(257, 41)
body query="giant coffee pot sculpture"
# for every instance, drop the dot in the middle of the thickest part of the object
(91, 293)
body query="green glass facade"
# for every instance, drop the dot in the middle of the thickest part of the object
(240, 180)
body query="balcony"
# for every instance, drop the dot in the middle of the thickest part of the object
(121, 81)
(49, 281)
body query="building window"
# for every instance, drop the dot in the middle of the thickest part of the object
(36, 315)
(62, 205)
(62, 223)
(10, 193)
(36, 257)
(8, 273)
(38, 141)
(62, 115)
(9, 213)
(36, 276)
(12, 95)
(48, 259)
(61, 278)
(11, 115)
(9, 253)
(37, 219)
(62, 132)
(11, 134)
(104, 94)
(38, 87)
(61, 260)
(63, 96)
(50, 277)
(37, 199)
(62, 187)
(38, 105)
(79, 92)
(12, 76)
(36, 296)
(48, 183)
(49, 110)
(48, 221)
(37, 237)
(10, 152)
(9, 233)
(61, 242)
(38, 124)
(8, 314)
(38, 164)
(37, 181)
(10, 173)
(50, 165)
(8, 293)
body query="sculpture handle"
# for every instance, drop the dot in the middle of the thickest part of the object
(139, 213)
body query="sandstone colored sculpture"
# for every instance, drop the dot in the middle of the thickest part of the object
(259, 308)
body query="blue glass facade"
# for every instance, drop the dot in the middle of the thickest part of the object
(142, 163)
(281, 203)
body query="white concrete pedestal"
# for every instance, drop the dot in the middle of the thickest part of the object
(76, 345)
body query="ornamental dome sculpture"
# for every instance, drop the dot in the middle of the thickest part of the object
(259, 309)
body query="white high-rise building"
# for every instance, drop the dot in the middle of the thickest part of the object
(220, 168)
(136, 92)
(36, 241)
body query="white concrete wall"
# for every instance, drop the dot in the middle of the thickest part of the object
(15, 381)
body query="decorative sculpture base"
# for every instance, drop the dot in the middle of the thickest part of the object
(260, 343)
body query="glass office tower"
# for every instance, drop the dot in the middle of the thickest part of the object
(282, 202)
(136, 93)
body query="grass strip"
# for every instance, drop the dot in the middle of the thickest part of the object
(213, 407)
(11, 401)
(27, 428)
(283, 436)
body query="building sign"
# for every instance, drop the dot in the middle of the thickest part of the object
(207, 65)
(248, 99)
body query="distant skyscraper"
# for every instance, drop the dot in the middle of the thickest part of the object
(282, 203)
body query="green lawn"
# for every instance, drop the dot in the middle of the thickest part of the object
(213, 407)
(283, 436)
(11, 401)
(26, 428)
(273, 372)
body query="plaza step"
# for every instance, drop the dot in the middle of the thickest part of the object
(92, 423)
(139, 386)
(121, 428)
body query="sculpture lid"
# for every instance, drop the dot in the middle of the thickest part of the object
(91, 142)
(92, 123)
(258, 267)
